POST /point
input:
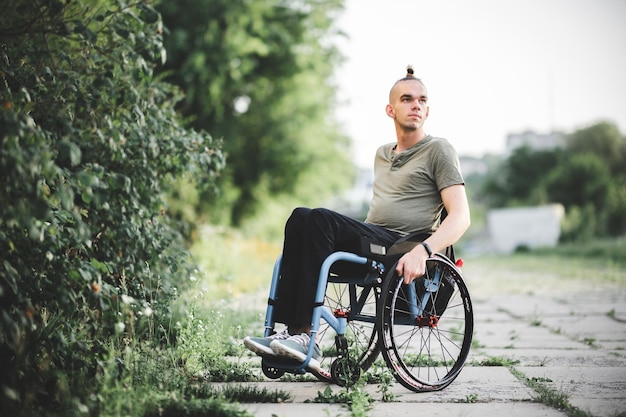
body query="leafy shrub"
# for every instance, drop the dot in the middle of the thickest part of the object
(90, 144)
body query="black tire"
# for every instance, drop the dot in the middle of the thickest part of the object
(270, 371)
(426, 351)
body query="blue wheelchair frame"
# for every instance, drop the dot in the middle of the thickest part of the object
(319, 311)
(417, 307)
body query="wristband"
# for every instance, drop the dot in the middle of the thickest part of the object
(427, 247)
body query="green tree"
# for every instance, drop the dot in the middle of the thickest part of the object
(259, 74)
(579, 180)
(592, 182)
(519, 180)
(582, 183)
(587, 177)
(90, 144)
(604, 140)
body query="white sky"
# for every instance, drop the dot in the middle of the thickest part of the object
(492, 67)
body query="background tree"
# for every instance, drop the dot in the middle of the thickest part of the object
(587, 177)
(603, 140)
(259, 74)
(90, 143)
(519, 179)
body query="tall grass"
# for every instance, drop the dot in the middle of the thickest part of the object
(232, 264)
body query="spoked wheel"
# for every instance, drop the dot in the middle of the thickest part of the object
(359, 305)
(426, 326)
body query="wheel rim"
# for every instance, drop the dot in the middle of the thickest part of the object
(426, 353)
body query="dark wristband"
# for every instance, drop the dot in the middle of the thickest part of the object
(427, 247)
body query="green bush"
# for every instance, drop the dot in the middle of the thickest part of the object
(90, 144)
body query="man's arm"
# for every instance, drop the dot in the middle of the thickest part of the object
(413, 263)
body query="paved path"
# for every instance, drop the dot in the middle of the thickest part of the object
(569, 339)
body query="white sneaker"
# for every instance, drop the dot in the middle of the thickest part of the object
(261, 345)
(297, 347)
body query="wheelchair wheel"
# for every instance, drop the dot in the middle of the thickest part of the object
(359, 305)
(426, 326)
(270, 371)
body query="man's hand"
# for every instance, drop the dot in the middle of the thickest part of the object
(412, 264)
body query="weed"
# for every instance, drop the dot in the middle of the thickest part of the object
(241, 394)
(358, 401)
(425, 361)
(386, 381)
(549, 396)
(196, 408)
(298, 378)
(203, 345)
(544, 362)
(476, 344)
(497, 361)
(590, 341)
(471, 398)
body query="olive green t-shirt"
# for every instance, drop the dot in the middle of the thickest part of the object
(407, 185)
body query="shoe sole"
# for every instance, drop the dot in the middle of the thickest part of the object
(280, 350)
(258, 348)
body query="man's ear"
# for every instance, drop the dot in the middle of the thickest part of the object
(389, 111)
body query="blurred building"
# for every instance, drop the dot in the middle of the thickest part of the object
(535, 141)
(512, 229)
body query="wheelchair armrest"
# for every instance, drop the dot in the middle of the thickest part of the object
(407, 243)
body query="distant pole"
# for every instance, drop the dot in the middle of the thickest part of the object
(551, 101)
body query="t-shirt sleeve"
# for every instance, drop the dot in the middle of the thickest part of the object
(446, 166)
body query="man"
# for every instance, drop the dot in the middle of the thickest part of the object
(416, 178)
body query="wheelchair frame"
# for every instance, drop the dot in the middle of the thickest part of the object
(400, 314)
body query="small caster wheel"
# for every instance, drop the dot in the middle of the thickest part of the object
(271, 372)
(345, 372)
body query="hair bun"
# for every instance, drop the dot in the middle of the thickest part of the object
(409, 71)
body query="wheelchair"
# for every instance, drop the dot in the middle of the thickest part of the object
(363, 309)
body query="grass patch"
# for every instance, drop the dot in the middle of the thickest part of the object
(232, 264)
(241, 393)
(550, 396)
(609, 252)
(546, 271)
(356, 399)
(196, 408)
(495, 361)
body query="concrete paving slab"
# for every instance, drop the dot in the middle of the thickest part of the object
(516, 334)
(571, 338)
(484, 384)
(599, 390)
(520, 409)
(547, 357)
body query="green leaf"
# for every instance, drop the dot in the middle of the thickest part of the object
(69, 152)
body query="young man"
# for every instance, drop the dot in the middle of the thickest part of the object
(416, 178)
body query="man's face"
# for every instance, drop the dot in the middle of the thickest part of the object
(408, 104)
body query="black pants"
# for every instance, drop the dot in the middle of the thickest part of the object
(310, 236)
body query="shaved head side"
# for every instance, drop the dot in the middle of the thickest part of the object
(408, 77)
